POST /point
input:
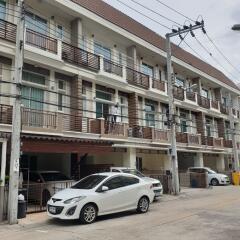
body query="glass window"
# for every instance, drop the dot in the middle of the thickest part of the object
(209, 127)
(36, 23)
(59, 31)
(102, 110)
(179, 82)
(34, 78)
(89, 182)
(34, 177)
(183, 122)
(100, 50)
(61, 85)
(204, 93)
(224, 101)
(127, 181)
(54, 176)
(134, 172)
(104, 95)
(147, 69)
(150, 114)
(2, 10)
(115, 182)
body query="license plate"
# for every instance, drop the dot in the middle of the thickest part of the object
(52, 209)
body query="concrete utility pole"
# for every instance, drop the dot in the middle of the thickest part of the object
(171, 117)
(16, 119)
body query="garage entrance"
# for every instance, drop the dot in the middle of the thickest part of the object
(185, 160)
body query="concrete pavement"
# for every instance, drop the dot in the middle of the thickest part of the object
(195, 214)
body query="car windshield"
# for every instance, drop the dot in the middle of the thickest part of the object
(134, 172)
(89, 182)
(211, 171)
(54, 176)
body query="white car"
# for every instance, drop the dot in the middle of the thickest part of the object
(101, 194)
(213, 177)
(157, 186)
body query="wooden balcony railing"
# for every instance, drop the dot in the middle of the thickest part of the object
(8, 31)
(41, 41)
(5, 114)
(191, 96)
(203, 102)
(158, 84)
(227, 143)
(181, 137)
(214, 104)
(161, 135)
(218, 142)
(80, 57)
(137, 78)
(113, 68)
(209, 141)
(115, 129)
(223, 109)
(178, 93)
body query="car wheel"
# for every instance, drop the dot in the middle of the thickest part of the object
(88, 214)
(45, 197)
(143, 205)
(214, 182)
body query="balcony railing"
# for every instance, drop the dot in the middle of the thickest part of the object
(8, 31)
(218, 142)
(223, 109)
(41, 41)
(178, 93)
(115, 129)
(181, 137)
(214, 104)
(209, 141)
(158, 84)
(194, 139)
(5, 114)
(203, 102)
(137, 78)
(113, 68)
(227, 143)
(80, 57)
(191, 96)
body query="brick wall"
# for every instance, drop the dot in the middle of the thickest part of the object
(200, 126)
(76, 103)
(133, 109)
(221, 127)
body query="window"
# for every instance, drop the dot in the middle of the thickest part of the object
(89, 182)
(33, 98)
(127, 181)
(123, 108)
(54, 176)
(115, 182)
(59, 31)
(2, 10)
(150, 114)
(104, 95)
(228, 131)
(36, 23)
(34, 78)
(103, 51)
(133, 172)
(60, 102)
(103, 109)
(209, 127)
(179, 82)
(204, 93)
(147, 69)
(61, 85)
(224, 101)
(183, 122)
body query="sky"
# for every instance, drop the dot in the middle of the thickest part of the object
(219, 16)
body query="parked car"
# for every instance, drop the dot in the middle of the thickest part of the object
(101, 194)
(213, 177)
(157, 186)
(42, 185)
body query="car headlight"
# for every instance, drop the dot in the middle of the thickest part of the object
(74, 200)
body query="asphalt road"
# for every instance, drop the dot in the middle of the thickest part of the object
(195, 214)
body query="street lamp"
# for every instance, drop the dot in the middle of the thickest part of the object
(236, 27)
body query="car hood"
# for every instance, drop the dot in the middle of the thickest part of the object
(71, 193)
(222, 175)
(152, 180)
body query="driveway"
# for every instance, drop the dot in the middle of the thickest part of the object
(195, 214)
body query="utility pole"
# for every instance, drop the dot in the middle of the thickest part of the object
(16, 118)
(171, 117)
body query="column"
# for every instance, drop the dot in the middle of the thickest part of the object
(198, 160)
(130, 158)
(2, 176)
(76, 33)
(220, 163)
(201, 126)
(132, 60)
(76, 103)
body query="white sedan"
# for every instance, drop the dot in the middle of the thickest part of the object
(101, 194)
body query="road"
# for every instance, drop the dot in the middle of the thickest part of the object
(195, 214)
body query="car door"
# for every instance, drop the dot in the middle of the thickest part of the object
(110, 201)
(130, 192)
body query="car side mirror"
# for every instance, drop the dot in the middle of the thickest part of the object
(104, 189)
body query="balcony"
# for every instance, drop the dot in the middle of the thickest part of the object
(8, 31)
(191, 96)
(203, 102)
(80, 57)
(41, 41)
(181, 137)
(214, 142)
(157, 84)
(178, 93)
(223, 109)
(5, 114)
(137, 78)
(214, 104)
(188, 138)
(112, 67)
